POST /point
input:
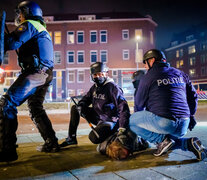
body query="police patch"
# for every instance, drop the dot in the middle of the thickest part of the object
(21, 28)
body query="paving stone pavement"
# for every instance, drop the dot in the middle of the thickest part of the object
(83, 162)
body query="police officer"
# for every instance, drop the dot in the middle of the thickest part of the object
(136, 76)
(109, 111)
(35, 57)
(165, 105)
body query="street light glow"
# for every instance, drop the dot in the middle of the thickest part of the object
(138, 37)
(1, 70)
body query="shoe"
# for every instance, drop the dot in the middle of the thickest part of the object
(140, 144)
(9, 155)
(163, 147)
(195, 146)
(69, 141)
(49, 146)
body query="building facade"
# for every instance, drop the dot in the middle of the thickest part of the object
(188, 52)
(81, 40)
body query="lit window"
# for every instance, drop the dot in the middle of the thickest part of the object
(93, 36)
(93, 55)
(80, 56)
(191, 49)
(57, 57)
(125, 54)
(71, 76)
(138, 33)
(177, 53)
(103, 36)
(81, 76)
(125, 34)
(192, 72)
(57, 37)
(70, 56)
(71, 37)
(179, 64)
(103, 55)
(151, 37)
(80, 37)
(192, 61)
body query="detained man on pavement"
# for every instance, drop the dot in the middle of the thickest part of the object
(165, 105)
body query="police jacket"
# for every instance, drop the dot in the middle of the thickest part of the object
(166, 92)
(32, 39)
(108, 102)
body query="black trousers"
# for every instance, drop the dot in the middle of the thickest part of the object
(103, 128)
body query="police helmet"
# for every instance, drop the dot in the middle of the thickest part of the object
(98, 67)
(154, 53)
(30, 10)
(137, 75)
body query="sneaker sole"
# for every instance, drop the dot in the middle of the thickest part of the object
(164, 149)
(201, 154)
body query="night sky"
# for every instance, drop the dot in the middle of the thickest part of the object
(172, 16)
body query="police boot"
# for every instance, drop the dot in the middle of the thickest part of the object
(8, 155)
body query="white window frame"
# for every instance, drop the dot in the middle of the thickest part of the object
(71, 90)
(78, 35)
(93, 51)
(80, 92)
(105, 35)
(80, 72)
(101, 51)
(80, 51)
(68, 42)
(55, 62)
(191, 49)
(125, 31)
(72, 72)
(93, 31)
(125, 52)
(68, 57)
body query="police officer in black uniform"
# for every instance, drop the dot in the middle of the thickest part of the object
(35, 57)
(109, 111)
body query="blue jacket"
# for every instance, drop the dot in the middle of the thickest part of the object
(108, 102)
(31, 38)
(166, 92)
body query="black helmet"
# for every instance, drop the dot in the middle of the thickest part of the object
(154, 53)
(137, 75)
(30, 10)
(98, 67)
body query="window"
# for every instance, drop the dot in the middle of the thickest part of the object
(71, 92)
(174, 43)
(71, 57)
(80, 57)
(103, 55)
(115, 76)
(80, 37)
(203, 71)
(80, 92)
(57, 57)
(81, 76)
(125, 54)
(71, 37)
(87, 17)
(203, 58)
(151, 37)
(71, 76)
(93, 36)
(93, 56)
(57, 37)
(6, 58)
(103, 36)
(191, 49)
(192, 72)
(179, 64)
(190, 37)
(125, 34)
(203, 45)
(192, 61)
(59, 84)
(179, 53)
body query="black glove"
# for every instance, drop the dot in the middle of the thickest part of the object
(82, 109)
(192, 123)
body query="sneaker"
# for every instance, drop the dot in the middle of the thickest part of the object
(140, 144)
(69, 141)
(49, 146)
(9, 155)
(163, 147)
(195, 146)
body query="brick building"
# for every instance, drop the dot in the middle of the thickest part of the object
(188, 52)
(80, 40)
